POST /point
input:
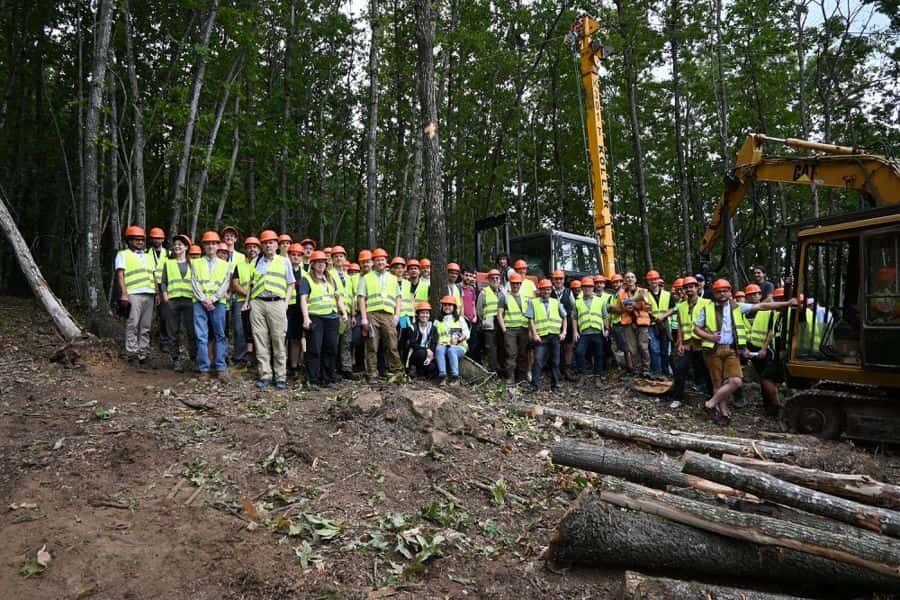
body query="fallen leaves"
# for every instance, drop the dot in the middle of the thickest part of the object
(37, 565)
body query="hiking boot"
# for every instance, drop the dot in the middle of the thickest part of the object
(224, 376)
(142, 360)
(280, 385)
(263, 383)
(454, 380)
(133, 361)
(442, 381)
(177, 366)
(676, 404)
(349, 376)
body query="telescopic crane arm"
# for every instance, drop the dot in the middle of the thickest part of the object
(581, 38)
(843, 167)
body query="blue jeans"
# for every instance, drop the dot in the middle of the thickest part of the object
(448, 356)
(546, 352)
(659, 352)
(204, 322)
(593, 344)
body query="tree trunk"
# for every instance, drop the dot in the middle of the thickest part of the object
(855, 487)
(93, 289)
(372, 130)
(211, 143)
(638, 586)
(64, 322)
(235, 149)
(411, 230)
(597, 533)
(140, 198)
(880, 520)
(199, 74)
(647, 469)
(115, 220)
(674, 32)
(432, 171)
(286, 114)
(656, 437)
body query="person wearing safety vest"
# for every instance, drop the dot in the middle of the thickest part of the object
(633, 308)
(379, 309)
(158, 255)
(591, 328)
(617, 333)
(720, 326)
(407, 312)
(564, 295)
(284, 244)
(421, 342)
(296, 336)
(418, 286)
(271, 291)
(761, 332)
(453, 289)
(547, 327)
(229, 235)
(453, 333)
(137, 293)
(358, 340)
(688, 349)
(661, 308)
(425, 264)
(528, 290)
(309, 245)
(345, 286)
(178, 294)
(486, 308)
(511, 309)
(241, 277)
(195, 251)
(210, 282)
(677, 296)
(323, 310)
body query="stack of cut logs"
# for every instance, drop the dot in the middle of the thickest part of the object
(729, 511)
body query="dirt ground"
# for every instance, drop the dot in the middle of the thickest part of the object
(152, 484)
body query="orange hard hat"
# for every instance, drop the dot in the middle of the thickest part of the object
(379, 253)
(251, 241)
(230, 228)
(398, 260)
(448, 299)
(740, 294)
(544, 283)
(284, 237)
(364, 255)
(422, 306)
(721, 284)
(558, 274)
(616, 277)
(652, 275)
(412, 263)
(599, 279)
(452, 267)
(223, 247)
(306, 241)
(134, 231)
(353, 268)
(688, 281)
(184, 239)
(317, 255)
(295, 248)
(676, 285)
(338, 250)
(587, 282)
(515, 278)
(210, 237)
(157, 234)
(195, 250)
(424, 262)
(575, 284)
(268, 236)
(327, 251)
(493, 273)
(778, 293)
(752, 289)
(520, 264)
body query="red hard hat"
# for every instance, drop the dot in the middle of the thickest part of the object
(412, 263)
(688, 281)
(452, 267)
(268, 236)
(338, 250)
(676, 285)
(194, 250)
(558, 274)
(284, 237)
(721, 284)
(398, 260)
(422, 306)
(424, 262)
(353, 268)
(295, 248)
(652, 275)
(306, 241)
(520, 264)
(210, 237)
(364, 255)
(184, 239)
(752, 289)
(587, 282)
(134, 231)
(515, 278)
(157, 234)
(317, 255)
(544, 283)
(251, 241)
(448, 299)
(575, 284)
(223, 247)
(379, 253)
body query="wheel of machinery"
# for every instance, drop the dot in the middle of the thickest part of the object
(822, 417)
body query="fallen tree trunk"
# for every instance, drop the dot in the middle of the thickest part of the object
(638, 586)
(880, 520)
(656, 437)
(597, 533)
(761, 444)
(64, 322)
(856, 487)
(873, 552)
(640, 467)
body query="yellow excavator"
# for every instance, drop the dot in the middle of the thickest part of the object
(841, 351)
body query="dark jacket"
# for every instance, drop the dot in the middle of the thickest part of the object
(412, 338)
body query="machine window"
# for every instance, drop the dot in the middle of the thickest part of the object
(533, 250)
(573, 255)
(883, 280)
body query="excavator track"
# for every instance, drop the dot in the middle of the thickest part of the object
(833, 408)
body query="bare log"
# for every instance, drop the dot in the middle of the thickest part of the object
(869, 551)
(656, 437)
(640, 467)
(638, 586)
(64, 322)
(881, 520)
(856, 487)
(597, 533)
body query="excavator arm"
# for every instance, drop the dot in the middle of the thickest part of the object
(842, 167)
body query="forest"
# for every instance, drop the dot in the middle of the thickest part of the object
(399, 123)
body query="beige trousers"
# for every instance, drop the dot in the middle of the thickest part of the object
(137, 328)
(268, 320)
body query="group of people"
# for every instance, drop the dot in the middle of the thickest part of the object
(294, 309)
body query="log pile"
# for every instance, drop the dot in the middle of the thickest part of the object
(743, 519)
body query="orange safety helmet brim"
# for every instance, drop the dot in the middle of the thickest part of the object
(268, 236)
(184, 239)
(557, 274)
(306, 241)
(223, 247)
(652, 275)
(422, 306)
(425, 262)
(576, 284)
(364, 255)
(412, 263)
(515, 278)
(448, 300)
(587, 282)
(520, 264)
(157, 234)
(317, 255)
(752, 289)
(134, 231)
(493, 273)
(210, 237)
(250, 241)
(616, 277)
(295, 248)
(338, 250)
(285, 238)
(379, 253)
(453, 267)
(398, 260)
(688, 281)
(353, 268)
(676, 285)
(545, 283)
(195, 250)
(721, 284)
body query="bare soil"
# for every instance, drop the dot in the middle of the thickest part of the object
(151, 484)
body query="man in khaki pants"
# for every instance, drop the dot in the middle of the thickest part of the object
(380, 306)
(271, 290)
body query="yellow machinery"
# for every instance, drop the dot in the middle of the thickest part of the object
(582, 39)
(841, 352)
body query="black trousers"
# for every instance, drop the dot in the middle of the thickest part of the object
(417, 358)
(321, 349)
(179, 318)
(474, 341)
(684, 363)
